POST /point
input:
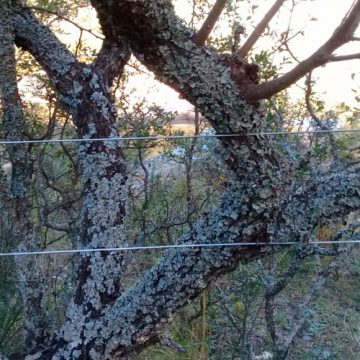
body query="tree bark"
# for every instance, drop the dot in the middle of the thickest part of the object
(264, 202)
(16, 201)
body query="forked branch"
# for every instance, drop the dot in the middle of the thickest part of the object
(343, 34)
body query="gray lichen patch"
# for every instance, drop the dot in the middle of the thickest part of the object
(102, 103)
(201, 75)
(44, 45)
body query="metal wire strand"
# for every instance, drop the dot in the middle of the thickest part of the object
(174, 137)
(175, 246)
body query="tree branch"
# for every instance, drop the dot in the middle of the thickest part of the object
(34, 37)
(201, 75)
(110, 61)
(202, 35)
(248, 211)
(84, 91)
(37, 8)
(321, 198)
(255, 35)
(182, 275)
(342, 35)
(344, 57)
(17, 206)
(13, 120)
(179, 276)
(60, 64)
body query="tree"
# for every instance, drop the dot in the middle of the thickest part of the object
(264, 201)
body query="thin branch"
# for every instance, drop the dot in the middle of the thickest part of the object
(50, 127)
(282, 342)
(71, 158)
(171, 344)
(270, 321)
(285, 35)
(296, 262)
(287, 340)
(319, 282)
(342, 35)
(240, 30)
(78, 45)
(285, 42)
(254, 37)
(344, 57)
(202, 35)
(81, 28)
(57, 226)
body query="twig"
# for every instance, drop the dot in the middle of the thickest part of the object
(37, 8)
(342, 34)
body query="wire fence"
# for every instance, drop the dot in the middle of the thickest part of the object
(174, 246)
(175, 137)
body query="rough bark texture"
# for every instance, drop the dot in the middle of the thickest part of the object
(85, 93)
(264, 202)
(16, 200)
(202, 35)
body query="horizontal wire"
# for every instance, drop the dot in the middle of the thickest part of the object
(174, 137)
(175, 246)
